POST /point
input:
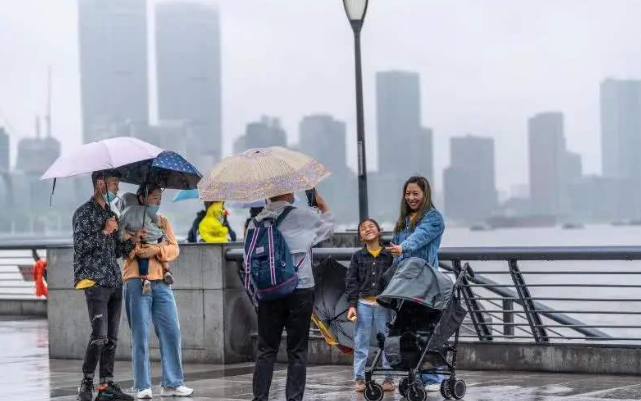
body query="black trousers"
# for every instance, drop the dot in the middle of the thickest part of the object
(104, 306)
(294, 314)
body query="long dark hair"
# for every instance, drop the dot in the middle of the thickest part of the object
(425, 207)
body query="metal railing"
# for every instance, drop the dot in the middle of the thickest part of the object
(542, 294)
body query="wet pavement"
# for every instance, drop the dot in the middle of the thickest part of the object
(27, 374)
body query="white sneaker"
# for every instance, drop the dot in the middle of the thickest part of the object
(433, 388)
(181, 391)
(145, 394)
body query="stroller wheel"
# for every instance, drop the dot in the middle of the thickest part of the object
(458, 388)
(417, 392)
(373, 391)
(403, 386)
(446, 392)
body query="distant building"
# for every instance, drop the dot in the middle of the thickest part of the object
(265, 133)
(113, 64)
(398, 121)
(398, 117)
(601, 200)
(4, 150)
(36, 155)
(621, 129)
(188, 63)
(469, 182)
(324, 138)
(552, 168)
(546, 145)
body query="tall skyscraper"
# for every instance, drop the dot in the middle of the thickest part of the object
(469, 182)
(621, 129)
(113, 64)
(188, 65)
(324, 138)
(263, 134)
(398, 116)
(404, 146)
(548, 160)
(4, 150)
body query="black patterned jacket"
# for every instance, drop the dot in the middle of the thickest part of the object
(95, 254)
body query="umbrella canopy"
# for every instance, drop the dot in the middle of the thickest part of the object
(168, 170)
(185, 194)
(102, 155)
(330, 306)
(261, 174)
(416, 281)
(248, 205)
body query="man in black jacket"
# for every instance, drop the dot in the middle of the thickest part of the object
(96, 271)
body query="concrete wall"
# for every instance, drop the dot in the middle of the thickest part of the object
(562, 358)
(214, 312)
(219, 324)
(23, 307)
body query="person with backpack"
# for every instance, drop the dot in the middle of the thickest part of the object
(278, 264)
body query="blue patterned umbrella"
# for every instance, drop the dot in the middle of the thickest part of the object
(169, 170)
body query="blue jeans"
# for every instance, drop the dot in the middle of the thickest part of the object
(159, 307)
(368, 317)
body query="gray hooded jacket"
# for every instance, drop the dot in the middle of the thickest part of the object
(131, 219)
(302, 229)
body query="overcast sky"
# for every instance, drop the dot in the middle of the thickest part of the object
(485, 65)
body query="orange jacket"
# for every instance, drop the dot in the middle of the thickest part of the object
(38, 275)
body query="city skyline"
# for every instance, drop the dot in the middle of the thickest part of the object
(484, 89)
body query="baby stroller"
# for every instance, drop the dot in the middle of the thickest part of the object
(428, 312)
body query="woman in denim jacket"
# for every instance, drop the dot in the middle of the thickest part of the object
(418, 233)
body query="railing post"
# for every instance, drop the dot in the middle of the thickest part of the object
(476, 313)
(533, 318)
(508, 317)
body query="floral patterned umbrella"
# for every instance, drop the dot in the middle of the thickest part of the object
(261, 174)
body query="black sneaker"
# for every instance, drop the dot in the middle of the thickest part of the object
(85, 391)
(112, 392)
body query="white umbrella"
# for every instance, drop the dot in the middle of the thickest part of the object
(102, 155)
(261, 174)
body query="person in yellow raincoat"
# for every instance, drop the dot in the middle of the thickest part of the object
(212, 227)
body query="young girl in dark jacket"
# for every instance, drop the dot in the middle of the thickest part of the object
(364, 284)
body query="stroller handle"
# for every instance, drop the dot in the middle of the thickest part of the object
(467, 269)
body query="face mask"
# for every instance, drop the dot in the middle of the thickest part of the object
(153, 209)
(109, 197)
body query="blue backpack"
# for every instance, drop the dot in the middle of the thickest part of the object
(269, 266)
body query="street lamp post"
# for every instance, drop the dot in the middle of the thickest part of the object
(356, 10)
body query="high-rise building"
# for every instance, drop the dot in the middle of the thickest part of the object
(469, 182)
(263, 134)
(113, 64)
(621, 129)
(547, 160)
(324, 138)
(398, 117)
(36, 155)
(4, 150)
(404, 146)
(188, 63)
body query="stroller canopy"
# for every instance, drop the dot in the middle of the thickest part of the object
(416, 281)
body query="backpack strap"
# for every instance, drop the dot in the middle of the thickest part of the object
(283, 214)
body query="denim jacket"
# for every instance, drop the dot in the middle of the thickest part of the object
(422, 242)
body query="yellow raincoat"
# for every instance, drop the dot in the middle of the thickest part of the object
(211, 228)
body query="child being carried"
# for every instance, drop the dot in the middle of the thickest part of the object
(131, 220)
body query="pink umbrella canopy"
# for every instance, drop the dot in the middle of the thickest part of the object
(101, 155)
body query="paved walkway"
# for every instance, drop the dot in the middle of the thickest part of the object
(27, 374)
